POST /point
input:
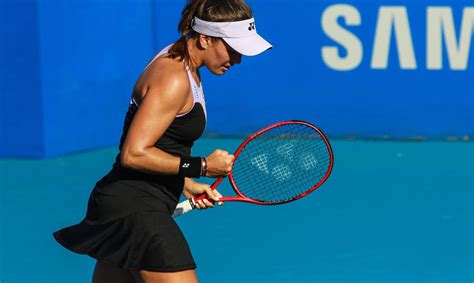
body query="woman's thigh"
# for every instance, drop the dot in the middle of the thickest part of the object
(187, 276)
(108, 273)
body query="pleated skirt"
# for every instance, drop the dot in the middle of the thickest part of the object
(129, 224)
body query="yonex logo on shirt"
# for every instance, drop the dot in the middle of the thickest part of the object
(185, 165)
(252, 26)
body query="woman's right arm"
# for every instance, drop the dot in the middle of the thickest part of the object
(161, 103)
(163, 100)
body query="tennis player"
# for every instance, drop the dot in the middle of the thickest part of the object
(128, 226)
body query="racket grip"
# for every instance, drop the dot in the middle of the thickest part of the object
(189, 204)
(184, 207)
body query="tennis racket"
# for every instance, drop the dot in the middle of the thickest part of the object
(280, 163)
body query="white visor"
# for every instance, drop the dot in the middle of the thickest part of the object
(240, 35)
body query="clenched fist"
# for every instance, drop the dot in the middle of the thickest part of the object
(219, 163)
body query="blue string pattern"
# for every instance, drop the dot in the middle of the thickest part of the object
(281, 163)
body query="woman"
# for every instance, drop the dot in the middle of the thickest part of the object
(128, 227)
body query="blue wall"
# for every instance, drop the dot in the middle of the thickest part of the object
(21, 119)
(94, 50)
(68, 67)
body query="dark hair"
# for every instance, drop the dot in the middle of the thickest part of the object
(207, 10)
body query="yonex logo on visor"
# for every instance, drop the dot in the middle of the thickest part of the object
(252, 26)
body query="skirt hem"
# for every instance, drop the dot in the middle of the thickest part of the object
(58, 238)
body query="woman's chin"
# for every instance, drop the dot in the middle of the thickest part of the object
(218, 71)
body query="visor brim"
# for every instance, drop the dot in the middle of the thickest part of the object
(250, 45)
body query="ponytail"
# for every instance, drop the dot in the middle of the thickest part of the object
(179, 50)
(192, 8)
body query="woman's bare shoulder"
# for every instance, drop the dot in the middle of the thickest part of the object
(164, 73)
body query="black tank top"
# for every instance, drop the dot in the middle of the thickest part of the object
(177, 140)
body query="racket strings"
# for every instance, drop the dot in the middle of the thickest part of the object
(282, 163)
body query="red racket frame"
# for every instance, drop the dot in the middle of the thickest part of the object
(241, 197)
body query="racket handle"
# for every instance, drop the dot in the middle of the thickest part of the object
(184, 207)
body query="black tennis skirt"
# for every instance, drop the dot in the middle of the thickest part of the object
(129, 224)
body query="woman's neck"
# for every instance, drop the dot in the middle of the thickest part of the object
(195, 58)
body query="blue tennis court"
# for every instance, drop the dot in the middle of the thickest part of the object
(391, 212)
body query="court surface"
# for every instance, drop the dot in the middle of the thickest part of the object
(391, 212)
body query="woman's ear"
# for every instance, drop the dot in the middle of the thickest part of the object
(204, 41)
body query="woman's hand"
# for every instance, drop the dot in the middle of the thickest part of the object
(219, 164)
(193, 189)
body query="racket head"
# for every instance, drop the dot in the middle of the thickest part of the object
(281, 163)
